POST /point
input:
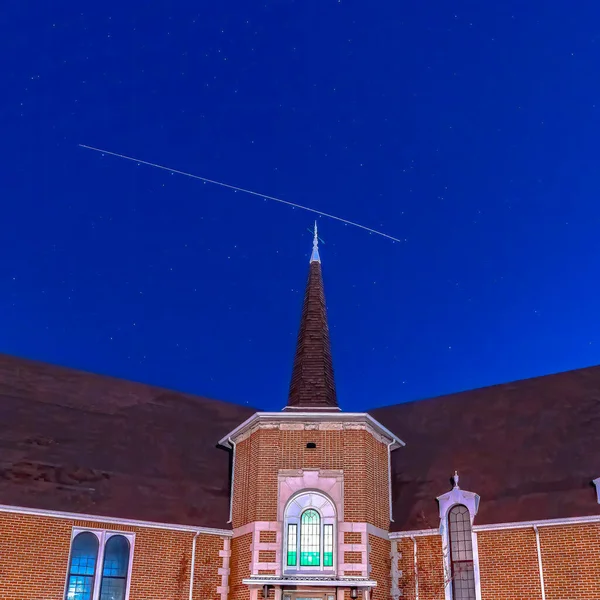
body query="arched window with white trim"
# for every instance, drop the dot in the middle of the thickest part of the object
(99, 565)
(458, 509)
(82, 566)
(114, 570)
(309, 533)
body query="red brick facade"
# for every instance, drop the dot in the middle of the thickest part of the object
(34, 558)
(35, 546)
(509, 564)
(261, 456)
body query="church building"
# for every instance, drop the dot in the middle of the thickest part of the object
(113, 490)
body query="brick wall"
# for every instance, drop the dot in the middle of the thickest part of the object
(34, 556)
(241, 556)
(379, 561)
(571, 560)
(430, 567)
(508, 564)
(362, 458)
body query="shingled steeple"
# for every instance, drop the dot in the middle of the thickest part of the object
(313, 385)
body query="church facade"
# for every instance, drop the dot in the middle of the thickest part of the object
(111, 490)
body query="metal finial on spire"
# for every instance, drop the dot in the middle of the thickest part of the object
(455, 479)
(314, 257)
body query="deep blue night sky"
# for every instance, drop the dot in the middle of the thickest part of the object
(469, 129)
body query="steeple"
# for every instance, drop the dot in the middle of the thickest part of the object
(313, 385)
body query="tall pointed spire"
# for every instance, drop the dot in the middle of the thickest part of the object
(313, 385)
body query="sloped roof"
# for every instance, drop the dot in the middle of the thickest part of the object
(78, 442)
(530, 449)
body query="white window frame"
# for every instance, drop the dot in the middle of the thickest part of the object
(447, 502)
(596, 482)
(103, 536)
(325, 507)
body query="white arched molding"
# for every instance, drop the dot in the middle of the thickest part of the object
(293, 481)
(447, 501)
(596, 482)
(296, 507)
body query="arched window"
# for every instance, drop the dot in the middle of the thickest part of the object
(461, 553)
(309, 523)
(114, 570)
(82, 566)
(310, 539)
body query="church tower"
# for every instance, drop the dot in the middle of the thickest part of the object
(310, 501)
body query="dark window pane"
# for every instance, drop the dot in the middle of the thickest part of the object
(112, 589)
(461, 553)
(114, 570)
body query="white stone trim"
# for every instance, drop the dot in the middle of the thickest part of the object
(458, 496)
(395, 573)
(292, 482)
(38, 512)
(244, 529)
(377, 532)
(256, 546)
(416, 567)
(256, 583)
(396, 535)
(274, 420)
(103, 535)
(224, 571)
(363, 566)
(540, 523)
(596, 482)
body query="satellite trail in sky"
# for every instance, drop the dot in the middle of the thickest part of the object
(238, 189)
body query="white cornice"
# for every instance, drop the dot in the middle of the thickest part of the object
(38, 512)
(275, 419)
(307, 581)
(541, 523)
(497, 526)
(396, 535)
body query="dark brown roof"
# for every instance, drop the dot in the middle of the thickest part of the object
(77, 442)
(313, 384)
(530, 449)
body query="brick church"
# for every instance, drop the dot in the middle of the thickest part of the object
(111, 490)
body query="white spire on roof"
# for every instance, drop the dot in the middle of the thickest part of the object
(314, 257)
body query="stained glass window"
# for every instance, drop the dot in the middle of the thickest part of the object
(82, 566)
(310, 539)
(328, 545)
(292, 545)
(114, 571)
(461, 553)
